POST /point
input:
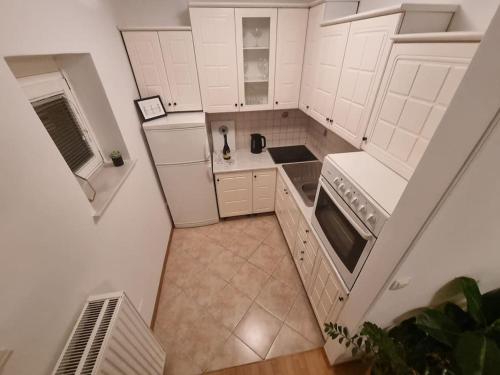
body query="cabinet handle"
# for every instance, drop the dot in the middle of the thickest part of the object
(235, 104)
(302, 251)
(169, 104)
(304, 242)
(301, 259)
(254, 176)
(276, 102)
(307, 230)
(341, 299)
(331, 121)
(175, 103)
(307, 107)
(217, 180)
(327, 119)
(241, 104)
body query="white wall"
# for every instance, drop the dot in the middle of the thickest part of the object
(52, 253)
(472, 15)
(161, 12)
(461, 239)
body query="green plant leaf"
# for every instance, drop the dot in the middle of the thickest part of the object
(475, 354)
(474, 300)
(461, 318)
(345, 331)
(340, 340)
(439, 326)
(491, 305)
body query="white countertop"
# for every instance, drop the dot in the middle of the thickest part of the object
(242, 160)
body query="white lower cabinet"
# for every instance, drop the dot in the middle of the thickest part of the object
(263, 190)
(320, 280)
(234, 193)
(305, 251)
(243, 193)
(287, 212)
(325, 292)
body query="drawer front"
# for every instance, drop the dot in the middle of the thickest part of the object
(233, 181)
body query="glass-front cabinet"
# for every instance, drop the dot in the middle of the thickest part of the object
(256, 46)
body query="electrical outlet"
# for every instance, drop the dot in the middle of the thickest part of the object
(4, 356)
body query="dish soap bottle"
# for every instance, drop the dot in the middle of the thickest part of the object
(226, 151)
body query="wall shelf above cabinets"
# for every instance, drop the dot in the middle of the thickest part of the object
(164, 64)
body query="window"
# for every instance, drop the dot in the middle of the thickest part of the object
(60, 113)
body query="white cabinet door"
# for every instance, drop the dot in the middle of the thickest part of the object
(332, 45)
(326, 294)
(364, 62)
(215, 47)
(256, 52)
(263, 190)
(145, 55)
(419, 83)
(310, 57)
(290, 40)
(234, 193)
(178, 55)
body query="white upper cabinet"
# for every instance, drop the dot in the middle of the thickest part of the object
(145, 55)
(291, 34)
(215, 47)
(332, 44)
(366, 54)
(256, 51)
(418, 84)
(310, 57)
(178, 56)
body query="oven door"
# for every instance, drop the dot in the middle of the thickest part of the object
(343, 234)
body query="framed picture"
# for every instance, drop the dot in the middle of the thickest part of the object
(150, 108)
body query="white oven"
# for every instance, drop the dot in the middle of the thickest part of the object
(346, 219)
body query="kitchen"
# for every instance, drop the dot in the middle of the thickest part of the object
(286, 138)
(376, 84)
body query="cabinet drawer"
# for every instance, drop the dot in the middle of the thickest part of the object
(233, 181)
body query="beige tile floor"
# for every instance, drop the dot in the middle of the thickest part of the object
(232, 295)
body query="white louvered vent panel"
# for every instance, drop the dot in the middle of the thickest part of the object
(111, 338)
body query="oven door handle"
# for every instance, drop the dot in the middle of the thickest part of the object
(363, 233)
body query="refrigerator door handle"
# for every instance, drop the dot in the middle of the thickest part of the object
(207, 150)
(209, 170)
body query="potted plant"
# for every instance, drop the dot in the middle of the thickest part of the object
(442, 340)
(116, 157)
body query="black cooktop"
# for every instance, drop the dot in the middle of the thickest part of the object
(290, 154)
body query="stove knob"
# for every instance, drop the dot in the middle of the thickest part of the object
(362, 208)
(371, 219)
(336, 181)
(354, 201)
(348, 193)
(342, 186)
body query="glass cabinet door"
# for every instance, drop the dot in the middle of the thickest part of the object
(256, 46)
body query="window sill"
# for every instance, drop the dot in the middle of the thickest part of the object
(106, 183)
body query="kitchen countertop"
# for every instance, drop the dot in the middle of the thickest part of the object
(242, 160)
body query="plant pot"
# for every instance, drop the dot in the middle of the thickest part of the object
(118, 161)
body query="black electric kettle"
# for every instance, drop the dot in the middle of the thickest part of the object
(257, 143)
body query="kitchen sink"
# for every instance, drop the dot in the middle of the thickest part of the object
(305, 177)
(290, 154)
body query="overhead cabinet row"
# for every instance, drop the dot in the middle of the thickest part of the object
(249, 59)
(345, 61)
(164, 64)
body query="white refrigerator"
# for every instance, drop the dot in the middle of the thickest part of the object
(179, 145)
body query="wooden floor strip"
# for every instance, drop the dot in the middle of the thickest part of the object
(313, 362)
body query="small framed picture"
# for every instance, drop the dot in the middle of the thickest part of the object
(150, 108)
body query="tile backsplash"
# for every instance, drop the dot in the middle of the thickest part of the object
(284, 128)
(281, 128)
